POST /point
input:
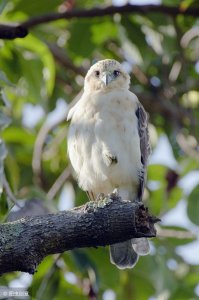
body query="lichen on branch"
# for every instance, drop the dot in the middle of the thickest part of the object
(26, 242)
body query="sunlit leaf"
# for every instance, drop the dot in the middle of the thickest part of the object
(40, 49)
(80, 28)
(156, 172)
(4, 207)
(4, 80)
(186, 3)
(82, 260)
(32, 8)
(174, 196)
(103, 31)
(18, 135)
(193, 206)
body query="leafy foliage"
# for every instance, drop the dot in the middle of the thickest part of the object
(161, 55)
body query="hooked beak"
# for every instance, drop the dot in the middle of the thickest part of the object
(106, 78)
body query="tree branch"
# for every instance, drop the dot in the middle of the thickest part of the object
(59, 182)
(176, 234)
(9, 32)
(25, 242)
(63, 60)
(38, 148)
(21, 30)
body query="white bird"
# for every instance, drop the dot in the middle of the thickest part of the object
(108, 145)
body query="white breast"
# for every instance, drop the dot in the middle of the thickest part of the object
(103, 125)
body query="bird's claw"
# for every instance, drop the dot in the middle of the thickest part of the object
(100, 197)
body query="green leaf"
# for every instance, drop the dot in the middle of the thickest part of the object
(106, 275)
(88, 3)
(2, 5)
(13, 177)
(186, 4)
(171, 2)
(4, 80)
(82, 260)
(193, 206)
(134, 29)
(43, 53)
(1, 177)
(81, 29)
(157, 201)
(137, 276)
(3, 154)
(51, 286)
(69, 291)
(36, 7)
(103, 31)
(40, 277)
(174, 196)
(18, 135)
(156, 172)
(3, 206)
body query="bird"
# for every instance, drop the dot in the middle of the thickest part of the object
(108, 145)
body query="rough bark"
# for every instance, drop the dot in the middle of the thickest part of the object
(25, 242)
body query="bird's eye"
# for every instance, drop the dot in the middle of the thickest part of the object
(97, 73)
(116, 73)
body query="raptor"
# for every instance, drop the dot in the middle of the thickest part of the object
(108, 145)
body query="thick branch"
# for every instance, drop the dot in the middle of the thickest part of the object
(12, 32)
(21, 30)
(25, 242)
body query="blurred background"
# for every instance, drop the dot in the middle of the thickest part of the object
(40, 76)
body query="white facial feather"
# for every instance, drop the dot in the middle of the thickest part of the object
(94, 78)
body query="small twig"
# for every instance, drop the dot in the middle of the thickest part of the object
(52, 148)
(168, 109)
(59, 183)
(171, 233)
(9, 191)
(38, 148)
(63, 59)
(40, 142)
(111, 10)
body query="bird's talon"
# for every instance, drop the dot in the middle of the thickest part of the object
(100, 196)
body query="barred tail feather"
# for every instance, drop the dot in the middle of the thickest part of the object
(123, 255)
(141, 246)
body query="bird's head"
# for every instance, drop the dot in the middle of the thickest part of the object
(106, 75)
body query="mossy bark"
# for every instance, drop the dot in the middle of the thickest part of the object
(25, 242)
